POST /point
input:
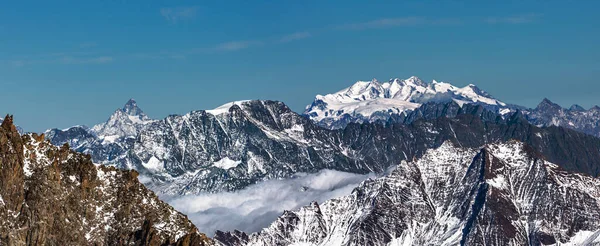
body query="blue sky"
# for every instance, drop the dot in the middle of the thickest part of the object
(74, 62)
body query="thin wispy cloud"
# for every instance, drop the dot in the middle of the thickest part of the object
(517, 19)
(294, 36)
(60, 58)
(385, 23)
(88, 45)
(237, 45)
(86, 60)
(88, 56)
(399, 22)
(18, 63)
(179, 13)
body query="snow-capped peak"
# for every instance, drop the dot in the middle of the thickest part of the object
(124, 122)
(416, 81)
(225, 107)
(372, 100)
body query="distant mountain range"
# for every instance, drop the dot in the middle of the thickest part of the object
(242, 143)
(373, 101)
(370, 101)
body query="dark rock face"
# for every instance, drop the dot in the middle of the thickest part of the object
(502, 194)
(53, 196)
(258, 140)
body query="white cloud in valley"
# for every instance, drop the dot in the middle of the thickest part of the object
(257, 206)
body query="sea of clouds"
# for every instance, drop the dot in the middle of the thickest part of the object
(258, 205)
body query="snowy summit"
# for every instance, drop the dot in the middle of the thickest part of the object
(368, 101)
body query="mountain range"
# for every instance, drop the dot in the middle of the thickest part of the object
(245, 142)
(373, 101)
(369, 101)
(469, 169)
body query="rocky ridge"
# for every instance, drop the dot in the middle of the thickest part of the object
(246, 142)
(54, 196)
(501, 194)
(576, 117)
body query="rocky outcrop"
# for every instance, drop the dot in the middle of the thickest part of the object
(54, 196)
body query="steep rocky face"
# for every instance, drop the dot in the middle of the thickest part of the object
(243, 143)
(231, 147)
(502, 194)
(53, 196)
(548, 113)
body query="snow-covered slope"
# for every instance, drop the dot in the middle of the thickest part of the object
(368, 101)
(501, 194)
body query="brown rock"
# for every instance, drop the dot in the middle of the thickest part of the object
(53, 196)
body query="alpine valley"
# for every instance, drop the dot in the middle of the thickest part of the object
(467, 169)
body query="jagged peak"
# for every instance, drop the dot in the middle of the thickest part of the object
(7, 122)
(131, 108)
(546, 103)
(416, 80)
(576, 107)
(361, 87)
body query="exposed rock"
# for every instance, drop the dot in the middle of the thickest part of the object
(548, 113)
(54, 196)
(243, 143)
(502, 194)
